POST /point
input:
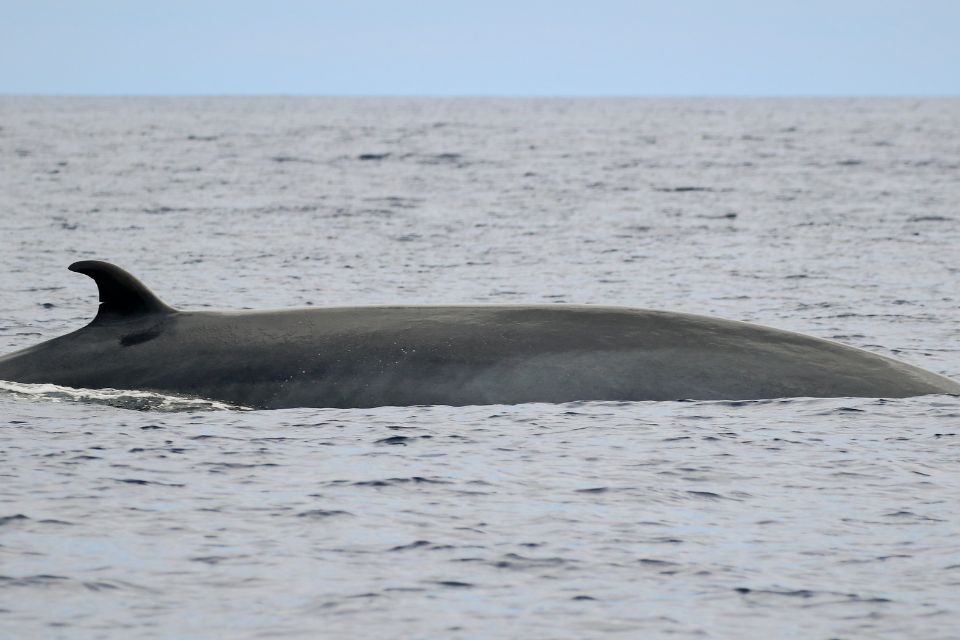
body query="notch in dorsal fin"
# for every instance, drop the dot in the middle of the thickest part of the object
(122, 297)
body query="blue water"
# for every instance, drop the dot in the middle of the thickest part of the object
(797, 518)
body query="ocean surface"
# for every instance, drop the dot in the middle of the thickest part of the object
(132, 515)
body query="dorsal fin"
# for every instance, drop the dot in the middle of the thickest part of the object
(122, 297)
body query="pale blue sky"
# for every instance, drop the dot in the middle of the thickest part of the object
(482, 47)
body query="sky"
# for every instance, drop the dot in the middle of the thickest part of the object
(481, 47)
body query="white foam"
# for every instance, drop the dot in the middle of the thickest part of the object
(120, 398)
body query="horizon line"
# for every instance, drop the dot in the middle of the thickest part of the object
(492, 96)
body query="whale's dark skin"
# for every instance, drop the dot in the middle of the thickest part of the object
(452, 355)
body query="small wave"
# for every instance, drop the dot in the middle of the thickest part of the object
(119, 398)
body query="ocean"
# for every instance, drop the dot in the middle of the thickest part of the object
(137, 515)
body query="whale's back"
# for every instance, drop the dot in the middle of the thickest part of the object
(454, 355)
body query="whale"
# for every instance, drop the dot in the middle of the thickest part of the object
(372, 356)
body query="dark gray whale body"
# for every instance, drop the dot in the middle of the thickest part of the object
(452, 355)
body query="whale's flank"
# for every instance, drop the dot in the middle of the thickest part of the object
(453, 355)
